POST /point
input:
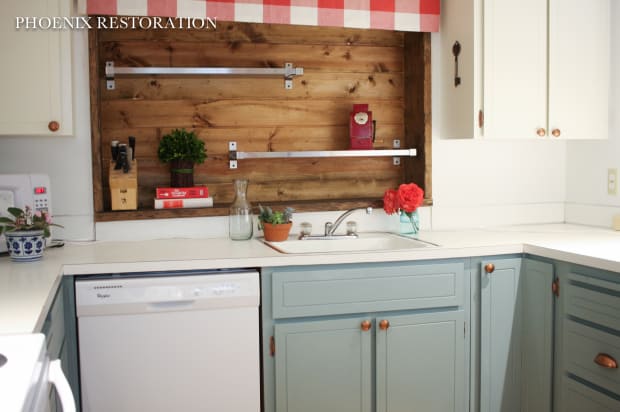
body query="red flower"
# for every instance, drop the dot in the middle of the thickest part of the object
(410, 196)
(390, 201)
(407, 199)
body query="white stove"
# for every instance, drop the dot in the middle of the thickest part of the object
(26, 375)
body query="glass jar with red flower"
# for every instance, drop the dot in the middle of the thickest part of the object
(405, 202)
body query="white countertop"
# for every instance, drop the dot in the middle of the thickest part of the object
(26, 289)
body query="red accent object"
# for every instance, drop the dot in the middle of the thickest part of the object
(403, 15)
(407, 198)
(161, 8)
(181, 192)
(41, 190)
(360, 127)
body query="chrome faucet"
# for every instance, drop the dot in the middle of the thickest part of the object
(330, 228)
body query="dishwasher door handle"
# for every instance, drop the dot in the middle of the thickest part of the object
(171, 304)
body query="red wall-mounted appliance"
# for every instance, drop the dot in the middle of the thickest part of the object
(361, 128)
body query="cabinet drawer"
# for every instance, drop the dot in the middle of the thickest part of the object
(338, 290)
(594, 300)
(582, 344)
(581, 398)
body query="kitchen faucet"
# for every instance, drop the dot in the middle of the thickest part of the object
(330, 228)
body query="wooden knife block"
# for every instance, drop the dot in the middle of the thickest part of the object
(124, 187)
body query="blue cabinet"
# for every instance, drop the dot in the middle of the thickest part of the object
(375, 337)
(61, 338)
(516, 335)
(589, 349)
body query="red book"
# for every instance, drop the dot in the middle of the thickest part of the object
(181, 192)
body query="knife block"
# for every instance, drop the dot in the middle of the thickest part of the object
(124, 187)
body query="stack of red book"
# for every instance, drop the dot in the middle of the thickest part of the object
(182, 197)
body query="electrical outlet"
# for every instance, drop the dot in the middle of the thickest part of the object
(612, 182)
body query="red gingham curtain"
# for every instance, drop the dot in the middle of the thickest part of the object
(405, 15)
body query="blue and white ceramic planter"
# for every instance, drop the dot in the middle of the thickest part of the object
(24, 246)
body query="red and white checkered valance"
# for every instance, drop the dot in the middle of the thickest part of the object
(405, 15)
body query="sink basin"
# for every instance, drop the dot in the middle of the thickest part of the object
(366, 242)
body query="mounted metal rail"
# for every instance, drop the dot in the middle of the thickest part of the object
(288, 72)
(234, 155)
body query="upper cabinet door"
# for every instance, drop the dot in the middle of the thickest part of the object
(515, 61)
(579, 68)
(526, 69)
(35, 74)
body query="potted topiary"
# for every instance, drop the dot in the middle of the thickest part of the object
(182, 149)
(275, 225)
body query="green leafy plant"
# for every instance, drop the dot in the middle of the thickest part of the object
(181, 145)
(267, 215)
(26, 220)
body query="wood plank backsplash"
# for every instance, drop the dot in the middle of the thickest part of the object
(341, 67)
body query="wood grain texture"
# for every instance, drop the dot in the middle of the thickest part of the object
(342, 67)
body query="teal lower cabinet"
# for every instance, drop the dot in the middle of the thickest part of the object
(516, 335)
(323, 365)
(589, 349)
(60, 333)
(420, 362)
(366, 338)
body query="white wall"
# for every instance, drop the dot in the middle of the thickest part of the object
(67, 160)
(587, 201)
(478, 182)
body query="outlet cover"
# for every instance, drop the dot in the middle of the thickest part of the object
(612, 182)
(616, 222)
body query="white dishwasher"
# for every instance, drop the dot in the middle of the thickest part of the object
(186, 341)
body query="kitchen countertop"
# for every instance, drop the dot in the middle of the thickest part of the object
(26, 289)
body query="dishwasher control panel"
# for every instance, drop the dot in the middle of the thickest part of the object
(178, 292)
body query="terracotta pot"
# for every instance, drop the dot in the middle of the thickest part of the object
(276, 233)
(181, 173)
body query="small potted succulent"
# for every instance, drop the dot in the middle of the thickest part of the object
(25, 232)
(275, 225)
(182, 149)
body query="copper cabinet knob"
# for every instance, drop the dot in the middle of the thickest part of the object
(366, 325)
(556, 132)
(53, 126)
(541, 132)
(489, 268)
(606, 361)
(384, 324)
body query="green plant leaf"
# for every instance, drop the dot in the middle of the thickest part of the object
(15, 211)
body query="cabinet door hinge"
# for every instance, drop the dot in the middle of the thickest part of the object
(464, 330)
(555, 287)
(480, 119)
(272, 346)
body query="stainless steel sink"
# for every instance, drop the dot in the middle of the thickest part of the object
(366, 242)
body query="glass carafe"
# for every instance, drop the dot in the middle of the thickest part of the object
(240, 222)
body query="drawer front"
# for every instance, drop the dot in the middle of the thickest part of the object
(582, 344)
(594, 300)
(581, 398)
(301, 292)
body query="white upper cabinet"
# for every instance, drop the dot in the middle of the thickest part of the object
(35, 74)
(528, 69)
(579, 68)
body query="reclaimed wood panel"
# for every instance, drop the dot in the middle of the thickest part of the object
(342, 67)
(245, 113)
(312, 85)
(315, 58)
